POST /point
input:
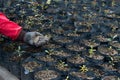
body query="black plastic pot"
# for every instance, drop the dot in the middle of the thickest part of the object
(76, 75)
(62, 67)
(75, 47)
(31, 64)
(101, 38)
(109, 77)
(61, 54)
(76, 61)
(48, 60)
(38, 73)
(115, 44)
(62, 40)
(106, 50)
(90, 43)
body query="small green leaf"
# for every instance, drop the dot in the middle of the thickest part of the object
(115, 36)
(48, 2)
(46, 51)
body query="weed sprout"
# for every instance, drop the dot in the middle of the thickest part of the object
(91, 50)
(83, 68)
(19, 51)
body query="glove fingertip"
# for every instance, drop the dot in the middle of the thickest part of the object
(47, 38)
(38, 34)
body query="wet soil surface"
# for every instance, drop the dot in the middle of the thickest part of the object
(85, 43)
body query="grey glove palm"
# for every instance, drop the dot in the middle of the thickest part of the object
(35, 38)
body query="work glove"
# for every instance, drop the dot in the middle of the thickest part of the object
(35, 38)
(6, 75)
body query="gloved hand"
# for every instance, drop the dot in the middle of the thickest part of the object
(6, 75)
(35, 38)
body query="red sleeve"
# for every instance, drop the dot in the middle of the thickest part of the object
(9, 28)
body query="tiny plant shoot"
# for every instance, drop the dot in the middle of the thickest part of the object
(83, 68)
(91, 51)
(19, 51)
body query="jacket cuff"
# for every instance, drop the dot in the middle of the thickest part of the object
(21, 36)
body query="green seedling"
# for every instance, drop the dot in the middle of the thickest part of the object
(115, 36)
(103, 4)
(67, 78)
(110, 47)
(112, 61)
(19, 51)
(1, 39)
(83, 68)
(62, 64)
(48, 2)
(112, 38)
(91, 51)
(49, 52)
(113, 3)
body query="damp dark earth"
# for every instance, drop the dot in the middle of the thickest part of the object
(84, 44)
